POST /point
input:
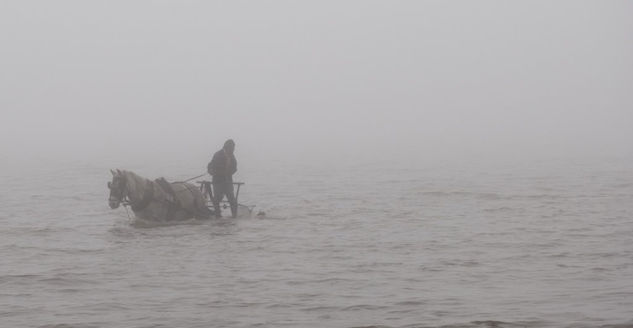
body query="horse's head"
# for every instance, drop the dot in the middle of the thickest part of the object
(118, 189)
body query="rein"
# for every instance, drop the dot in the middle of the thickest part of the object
(199, 176)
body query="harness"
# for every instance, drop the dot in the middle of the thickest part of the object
(170, 199)
(167, 188)
(148, 195)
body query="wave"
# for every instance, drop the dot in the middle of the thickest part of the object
(504, 324)
(72, 325)
(491, 195)
(463, 194)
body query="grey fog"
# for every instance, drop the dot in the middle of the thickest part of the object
(404, 163)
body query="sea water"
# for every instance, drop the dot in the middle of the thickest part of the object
(540, 244)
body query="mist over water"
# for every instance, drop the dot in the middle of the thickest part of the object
(540, 244)
(355, 79)
(420, 164)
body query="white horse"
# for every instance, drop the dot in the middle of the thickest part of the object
(150, 201)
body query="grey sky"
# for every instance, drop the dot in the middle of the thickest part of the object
(357, 79)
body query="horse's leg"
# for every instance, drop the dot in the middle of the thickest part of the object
(196, 203)
(180, 215)
(204, 213)
(191, 203)
(161, 212)
(200, 208)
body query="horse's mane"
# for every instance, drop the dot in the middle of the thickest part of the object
(135, 184)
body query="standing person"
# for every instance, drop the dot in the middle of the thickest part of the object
(222, 167)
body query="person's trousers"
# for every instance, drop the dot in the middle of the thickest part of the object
(219, 191)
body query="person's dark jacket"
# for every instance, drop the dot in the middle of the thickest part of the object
(218, 167)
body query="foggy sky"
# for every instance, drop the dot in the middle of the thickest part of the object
(323, 79)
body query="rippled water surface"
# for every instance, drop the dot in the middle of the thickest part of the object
(539, 245)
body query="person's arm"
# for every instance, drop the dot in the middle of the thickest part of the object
(234, 166)
(212, 167)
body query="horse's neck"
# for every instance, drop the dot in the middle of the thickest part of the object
(136, 186)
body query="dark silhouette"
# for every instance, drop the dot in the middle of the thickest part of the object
(221, 168)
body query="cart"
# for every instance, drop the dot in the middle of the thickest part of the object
(207, 191)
